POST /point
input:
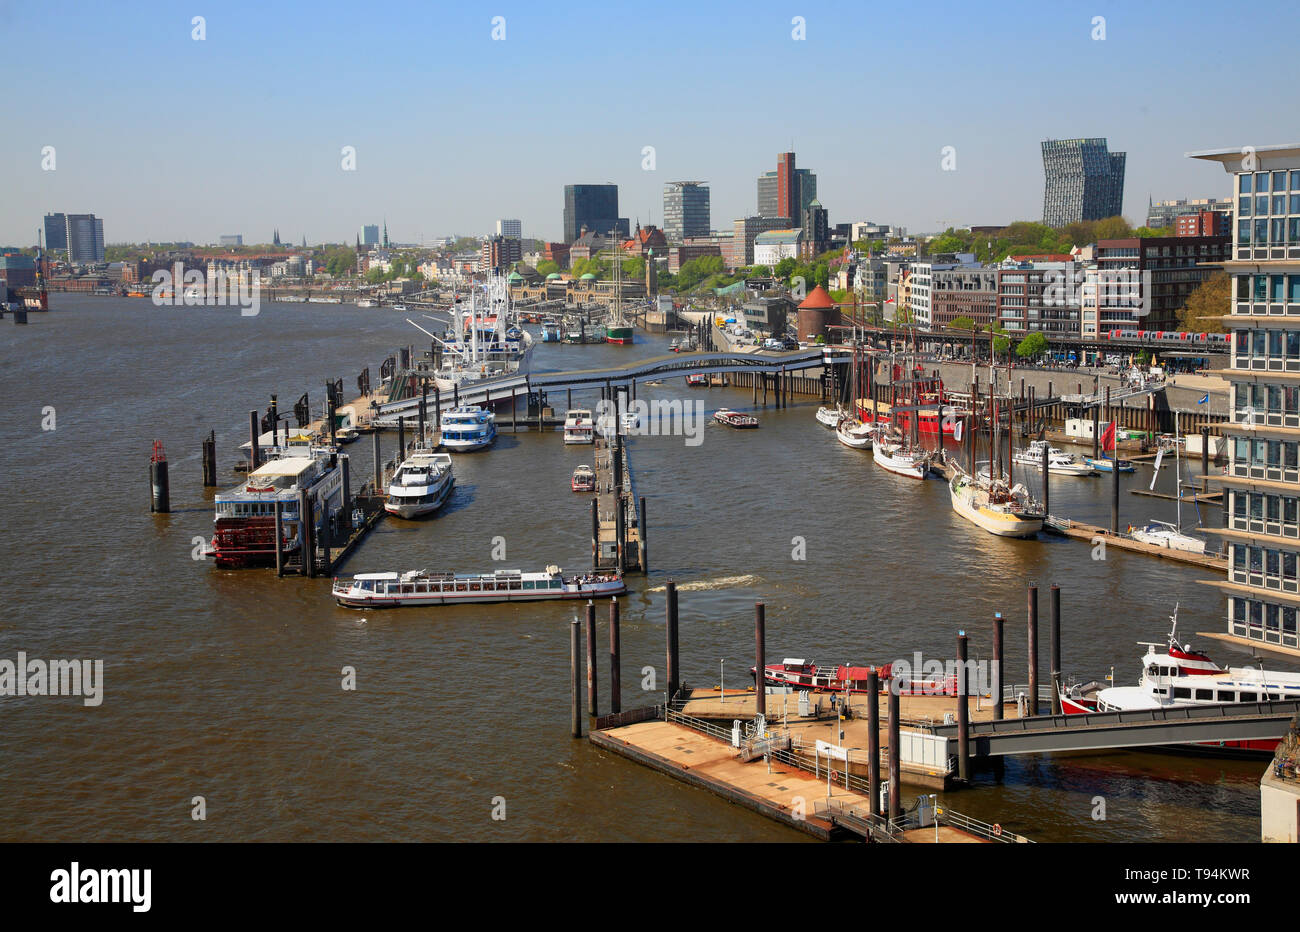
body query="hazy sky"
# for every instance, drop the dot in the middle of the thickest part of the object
(168, 138)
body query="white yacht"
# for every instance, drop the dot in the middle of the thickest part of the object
(1059, 463)
(579, 427)
(421, 484)
(468, 428)
(1164, 533)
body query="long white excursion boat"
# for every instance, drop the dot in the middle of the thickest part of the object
(579, 426)
(421, 484)
(890, 455)
(1175, 674)
(389, 590)
(1059, 463)
(468, 428)
(854, 434)
(999, 510)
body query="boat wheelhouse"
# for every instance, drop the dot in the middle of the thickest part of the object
(468, 428)
(579, 427)
(385, 590)
(243, 532)
(728, 418)
(1059, 463)
(421, 484)
(584, 479)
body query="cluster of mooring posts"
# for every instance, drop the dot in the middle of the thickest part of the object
(687, 736)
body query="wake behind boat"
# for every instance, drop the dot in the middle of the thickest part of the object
(388, 590)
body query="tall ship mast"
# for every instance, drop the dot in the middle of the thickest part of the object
(618, 330)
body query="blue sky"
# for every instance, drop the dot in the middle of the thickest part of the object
(165, 137)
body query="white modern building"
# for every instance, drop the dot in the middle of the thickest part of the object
(510, 229)
(775, 245)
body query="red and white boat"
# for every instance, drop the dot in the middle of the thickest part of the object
(697, 380)
(1174, 674)
(388, 590)
(933, 412)
(804, 674)
(729, 418)
(584, 479)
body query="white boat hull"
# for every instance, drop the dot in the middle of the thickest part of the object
(597, 590)
(995, 521)
(901, 464)
(395, 505)
(1170, 540)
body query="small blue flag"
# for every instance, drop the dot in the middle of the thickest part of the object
(1204, 399)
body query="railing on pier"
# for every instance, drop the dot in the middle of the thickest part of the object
(630, 717)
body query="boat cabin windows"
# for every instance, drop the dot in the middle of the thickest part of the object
(1249, 697)
(1226, 695)
(1182, 692)
(1204, 695)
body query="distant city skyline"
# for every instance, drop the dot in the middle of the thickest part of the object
(281, 164)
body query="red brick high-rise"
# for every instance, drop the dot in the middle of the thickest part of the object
(787, 189)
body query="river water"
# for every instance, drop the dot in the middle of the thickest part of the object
(227, 684)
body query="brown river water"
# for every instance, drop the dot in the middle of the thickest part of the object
(227, 684)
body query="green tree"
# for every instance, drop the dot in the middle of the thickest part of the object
(784, 267)
(340, 261)
(547, 267)
(1032, 346)
(760, 271)
(1205, 306)
(961, 323)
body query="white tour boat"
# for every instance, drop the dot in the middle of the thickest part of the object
(830, 417)
(1174, 674)
(385, 590)
(729, 418)
(421, 484)
(997, 509)
(1059, 463)
(579, 426)
(468, 428)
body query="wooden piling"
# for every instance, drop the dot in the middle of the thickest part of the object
(379, 464)
(255, 452)
(575, 708)
(592, 704)
(760, 668)
(279, 538)
(963, 711)
(1114, 476)
(671, 630)
(1046, 480)
(998, 658)
(895, 763)
(437, 409)
(210, 460)
(1054, 603)
(641, 537)
(873, 740)
(159, 486)
(615, 660)
(401, 438)
(1033, 649)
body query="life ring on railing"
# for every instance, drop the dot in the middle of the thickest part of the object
(997, 830)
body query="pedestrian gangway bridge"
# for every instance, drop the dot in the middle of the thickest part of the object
(1181, 724)
(672, 365)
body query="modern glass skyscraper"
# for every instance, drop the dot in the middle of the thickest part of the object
(85, 238)
(1084, 181)
(686, 210)
(370, 234)
(56, 231)
(594, 206)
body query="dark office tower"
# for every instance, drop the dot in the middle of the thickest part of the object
(1084, 181)
(786, 189)
(594, 206)
(56, 231)
(686, 210)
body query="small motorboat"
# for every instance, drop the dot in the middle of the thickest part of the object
(1106, 464)
(347, 435)
(696, 380)
(830, 417)
(1059, 463)
(729, 418)
(584, 479)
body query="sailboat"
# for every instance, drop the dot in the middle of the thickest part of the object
(483, 343)
(900, 452)
(1162, 533)
(618, 330)
(991, 500)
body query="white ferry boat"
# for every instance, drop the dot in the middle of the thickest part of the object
(468, 428)
(385, 590)
(579, 427)
(1175, 674)
(1059, 463)
(421, 484)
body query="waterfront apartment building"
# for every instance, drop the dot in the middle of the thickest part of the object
(922, 283)
(1166, 268)
(1039, 296)
(1083, 181)
(510, 229)
(686, 210)
(85, 236)
(816, 230)
(592, 207)
(1165, 214)
(500, 253)
(370, 234)
(963, 292)
(745, 231)
(56, 231)
(1261, 483)
(786, 192)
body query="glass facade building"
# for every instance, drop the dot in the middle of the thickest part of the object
(1084, 181)
(686, 210)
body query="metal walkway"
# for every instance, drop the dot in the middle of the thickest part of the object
(1190, 724)
(672, 365)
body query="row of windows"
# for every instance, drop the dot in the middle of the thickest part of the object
(1275, 288)
(1261, 182)
(1261, 621)
(1265, 344)
(1278, 205)
(1275, 454)
(255, 510)
(1261, 232)
(1278, 566)
(1251, 402)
